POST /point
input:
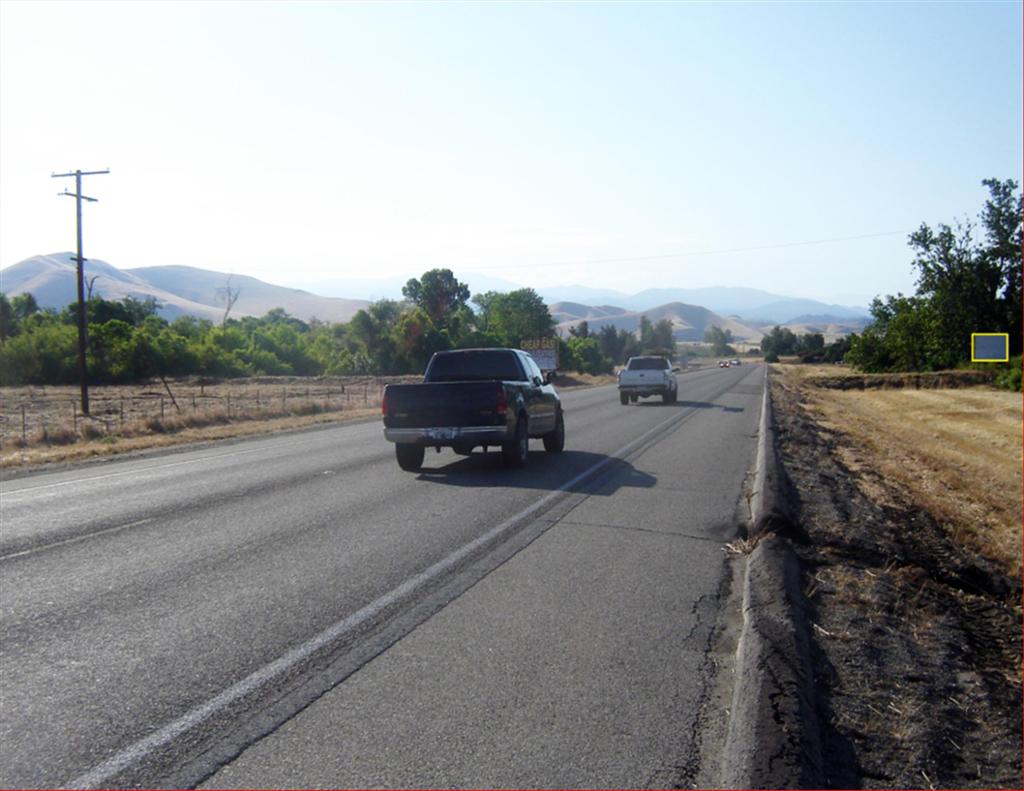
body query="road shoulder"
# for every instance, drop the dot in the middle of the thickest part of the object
(916, 643)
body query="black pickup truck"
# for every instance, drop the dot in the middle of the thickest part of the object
(474, 398)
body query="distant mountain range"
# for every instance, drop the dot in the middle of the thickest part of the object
(178, 290)
(690, 322)
(183, 290)
(752, 305)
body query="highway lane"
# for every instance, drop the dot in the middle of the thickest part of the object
(133, 594)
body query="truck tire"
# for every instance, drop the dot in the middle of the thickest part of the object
(623, 399)
(554, 441)
(515, 451)
(410, 457)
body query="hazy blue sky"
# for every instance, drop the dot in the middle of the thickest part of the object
(299, 142)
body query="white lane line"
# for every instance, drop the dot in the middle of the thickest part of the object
(74, 540)
(100, 775)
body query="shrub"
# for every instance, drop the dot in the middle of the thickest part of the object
(1010, 377)
(58, 435)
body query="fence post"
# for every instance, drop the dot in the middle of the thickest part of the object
(74, 416)
(229, 406)
(161, 407)
(366, 398)
(193, 401)
(122, 410)
(257, 398)
(24, 428)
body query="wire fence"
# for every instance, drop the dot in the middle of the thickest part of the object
(52, 415)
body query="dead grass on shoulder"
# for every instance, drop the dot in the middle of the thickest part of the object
(167, 436)
(958, 452)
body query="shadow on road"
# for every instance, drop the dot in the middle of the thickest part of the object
(690, 405)
(542, 471)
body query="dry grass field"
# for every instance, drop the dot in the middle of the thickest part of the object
(45, 425)
(41, 425)
(956, 450)
(908, 494)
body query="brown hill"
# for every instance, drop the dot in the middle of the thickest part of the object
(689, 322)
(178, 290)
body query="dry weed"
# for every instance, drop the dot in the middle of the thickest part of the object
(958, 452)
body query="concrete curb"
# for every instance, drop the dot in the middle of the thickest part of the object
(773, 738)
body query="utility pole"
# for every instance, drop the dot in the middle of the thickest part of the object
(79, 197)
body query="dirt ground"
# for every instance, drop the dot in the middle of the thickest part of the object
(913, 579)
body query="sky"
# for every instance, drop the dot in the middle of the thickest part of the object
(790, 147)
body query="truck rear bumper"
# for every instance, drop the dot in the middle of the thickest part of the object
(644, 390)
(448, 435)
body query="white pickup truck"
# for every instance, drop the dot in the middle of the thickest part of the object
(647, 376)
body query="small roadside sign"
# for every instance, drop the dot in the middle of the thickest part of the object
(544, 352)
(990, 347)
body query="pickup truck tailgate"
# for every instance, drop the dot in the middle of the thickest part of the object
(443, 404)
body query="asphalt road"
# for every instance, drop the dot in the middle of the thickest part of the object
(297, 611)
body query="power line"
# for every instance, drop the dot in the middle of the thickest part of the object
(687, 254)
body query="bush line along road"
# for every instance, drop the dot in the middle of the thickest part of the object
(297, 611)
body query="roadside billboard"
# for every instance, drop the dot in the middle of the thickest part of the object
(544, 352)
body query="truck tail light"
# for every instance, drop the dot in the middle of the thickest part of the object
(384, 404)
(502, 406)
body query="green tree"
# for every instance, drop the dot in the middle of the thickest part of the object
(8, 322)
(48, 354)
(1001, 218)
(661, 340)
(439, 294)
(374, 327)
(24, 305)
(963, 287)
(836, 351)
(719, 340)
(586, 356)
(108, 348)
(511, 317)
(779, 341)
(419, 339)
(581, 330)
(646, 333)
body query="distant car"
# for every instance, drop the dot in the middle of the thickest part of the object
(723, 363)
(734, 362)
(647, 376)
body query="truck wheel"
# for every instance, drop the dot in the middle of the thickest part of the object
(666, 398)
(514, 452)
(633, 399)
(410, 457)
(554, 441)
(623, 399)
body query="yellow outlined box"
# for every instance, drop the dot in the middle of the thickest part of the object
(1005, 351)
